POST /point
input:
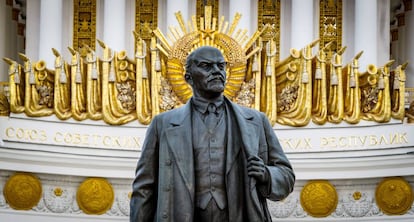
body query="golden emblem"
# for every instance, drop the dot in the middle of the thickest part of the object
(394, 196)
(235, 45)
(319, 198)
(22, 191)
(95, 196)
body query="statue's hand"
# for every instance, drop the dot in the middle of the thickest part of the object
(256, 168)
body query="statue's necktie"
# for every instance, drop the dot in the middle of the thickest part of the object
(211, 118)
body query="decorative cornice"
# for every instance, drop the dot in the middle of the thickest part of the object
(356, 199)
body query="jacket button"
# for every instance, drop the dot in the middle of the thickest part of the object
(165, 215)
(168, 162)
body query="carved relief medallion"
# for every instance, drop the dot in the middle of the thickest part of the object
(319, 198)
(22, 191)
(95, 196)
(394, 196)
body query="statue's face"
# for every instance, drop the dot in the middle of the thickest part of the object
(208, 73)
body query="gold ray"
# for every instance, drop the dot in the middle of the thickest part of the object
(162, 39)
(180, 20)
(220, 26)
(234, 24)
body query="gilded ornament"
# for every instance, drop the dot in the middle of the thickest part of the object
(319, 198)
(356, 204)
(394, 196)
(4, 105)
(410, 113)
(84, 25)
(330, 24)
(357, 195)
(58, 191)
(22, 191)
(95, 196)
(292, 91)
(206, 35)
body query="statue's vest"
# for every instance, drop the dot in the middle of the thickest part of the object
(209, 161)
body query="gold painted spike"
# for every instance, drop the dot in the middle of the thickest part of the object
(170, 37)
(55, 52)
(389, 63)
(253, 39)
(234, 24)
(237, 35)
(240, 37)
(180, 20)
(357, 56)
(341, 51)
(72, 51)
(327, 47)
(220, 26)
(163, 40)
(226, 24)
(175, 33)
(243, 40)
(207, 14)
(213, 26)
(404, 65)
(202, 23)
(24, 57)
(194, 21)
(313, 44)
(8, 61)
(100, 42)
(190, 27)
(254, 51)
(162, 50)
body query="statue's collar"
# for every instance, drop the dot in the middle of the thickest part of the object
(201, 104)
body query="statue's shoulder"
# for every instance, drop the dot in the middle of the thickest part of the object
(246, 111)
(172, 114)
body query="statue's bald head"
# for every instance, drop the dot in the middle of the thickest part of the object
(206, 71)
(203, 51)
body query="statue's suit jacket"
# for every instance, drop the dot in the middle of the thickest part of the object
(164, 186)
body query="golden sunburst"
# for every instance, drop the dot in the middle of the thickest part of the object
(235, 46)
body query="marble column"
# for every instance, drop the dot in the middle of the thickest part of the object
(243, 7)
(114, 32)
(285, 28)
(409, 46)
(394, 41)
(50, 32)
(171, 8)
(365, 33)
(302, 26)
(348, 27)
(4, 19)
(383, 32)
(32, 29)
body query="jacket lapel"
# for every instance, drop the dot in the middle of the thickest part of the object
(179, 138)
(243, 128)
(248, 146)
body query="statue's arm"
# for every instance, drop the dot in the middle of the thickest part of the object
(144, 187)
(281, 176)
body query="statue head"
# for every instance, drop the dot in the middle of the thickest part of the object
(206, 72)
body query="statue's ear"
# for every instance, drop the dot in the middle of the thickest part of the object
(188, 79)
